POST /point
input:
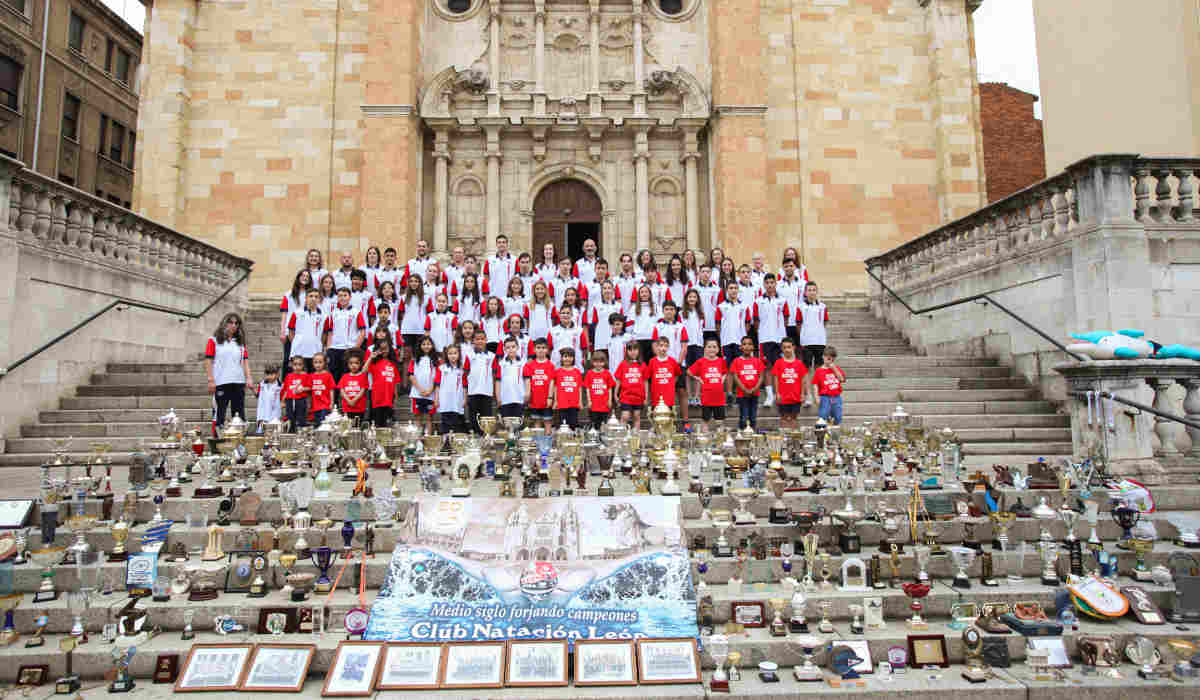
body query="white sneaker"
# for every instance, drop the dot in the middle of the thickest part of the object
(769, 401)
(808, 403)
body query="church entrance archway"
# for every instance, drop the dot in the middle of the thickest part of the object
(566, 213)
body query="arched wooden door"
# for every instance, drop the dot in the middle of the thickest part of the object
(566, 213)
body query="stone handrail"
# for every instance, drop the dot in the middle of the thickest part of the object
(1158, 193)
(48, 213)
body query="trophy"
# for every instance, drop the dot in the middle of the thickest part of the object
(780, 513)
(1141, 547)
(122, 681)
(1001, 521)
(972, 638)
(890, 524)
(47, 558)
(1044, 515)
(797, 623)
(8, 603)
(916, 591)
(1049, 554)
(810, 542)
(778, 627)
(189, 614)
(322, 558)
(809, 671)
(848, 539)
(1073, 546)
(856, 625)
(1091, 511)
(923, 553)
(1126, 516)
(120, 533)
(739, 568)
(1142, 652)
(743, 495)
(722, 548)
(825, 625)
(718, 647)
(963, 558)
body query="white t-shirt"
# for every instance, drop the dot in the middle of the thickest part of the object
(425, 373)
(499, 270)
(371, 273)
(812, 323)
(585, 269)
(710, 296)
(732, 321)
(345, 325)
(440, 325)
(771, 313)
(643, 323)
(309, 327)
(512, 384)
(563, 337)
(268, 401)
(452, 396)
(412, 316)
(227, 361)
(695, 329)
(481, 372)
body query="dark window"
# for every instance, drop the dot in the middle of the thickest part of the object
(18, 4)
(122, 69)
(458, 6)
(671, 7)
(103, 133)
(114, 199)
(108, 55)
(66, 179)
(132, 137)
(10, 83)
(70, 125)
(116, 144)
(75, 37)
(8, 153)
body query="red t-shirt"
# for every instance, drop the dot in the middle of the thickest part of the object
(322, 391)
(747, 369)
(827, 381)
(662, 380)
(354, 388)
(631, 378)
(296, 386)
(384, 375)
(567, 381)
(540, 376)
(599, 387)
(711, 374)
(790, 377)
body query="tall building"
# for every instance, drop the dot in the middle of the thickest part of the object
(1014, 155)
(77, 124)
(1118, 77)
(841, 128)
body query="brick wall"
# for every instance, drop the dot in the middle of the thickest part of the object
(1013, 153)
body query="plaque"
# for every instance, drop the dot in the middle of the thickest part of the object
(248, 504)
(1143, 607)
(276, 621)
(166, 668)
(995, 652)
(141, 570)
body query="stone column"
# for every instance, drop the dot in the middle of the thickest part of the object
(594, 20)
(639, 61)
(493, 184)
(1191, 410)
(494, 57)
(691, 156)
(441, 187)
(641, 166)
(539, 46)
(1166, 429)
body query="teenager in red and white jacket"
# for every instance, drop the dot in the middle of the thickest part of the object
(567, 334)
(493, 323)
(470, 299)
(710, 296)
(306, 329)
(228, 367)
(599, 311)
(347, 327)
(541, 313)
(501, 267)
(452, 390)
(626, 284)
(441, 322)
(771, 313)
(389, 272)
(563, 281)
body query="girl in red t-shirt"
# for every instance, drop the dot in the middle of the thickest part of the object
(712, 373)
(296, 389)
(384, 369)
(354, 387)
(633, 384)
(598, 384)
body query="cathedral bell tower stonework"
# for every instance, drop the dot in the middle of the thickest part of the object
(840, 127)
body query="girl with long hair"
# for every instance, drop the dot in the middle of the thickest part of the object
(601, 310)
(313, 263)
(692, 315)
(677, 280)
(423, 381)
(412, 314)
(292, 302)
(547, 267)
(514, 301)
(328, 293)
(470, 299)
(541, 312)
(492, 323)
(228, 368)
(372, 266)
(644, 315)
(387, 295)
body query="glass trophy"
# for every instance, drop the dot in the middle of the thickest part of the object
(322, 558)
(718, 648)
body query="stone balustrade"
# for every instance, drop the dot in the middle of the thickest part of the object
(1135, 443)
(45, 212)
(1109, 243)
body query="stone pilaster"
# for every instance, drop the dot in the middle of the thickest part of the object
(955, 101)
(739, 167)
(393, 141)
(164, 110)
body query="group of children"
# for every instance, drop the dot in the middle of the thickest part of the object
(564, 338)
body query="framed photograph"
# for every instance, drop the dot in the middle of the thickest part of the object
(605, 662)
(277, 621)
(862, 650)
(279, 668)
(668, 661)
(748, 613)
(927, 650)
(411, 666)
(1059, 658)
(213, 667)
(32, 675)
(166, 668)
(473, 665)
(354, 669)
(534, 662)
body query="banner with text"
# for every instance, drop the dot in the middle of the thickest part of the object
(547, 568)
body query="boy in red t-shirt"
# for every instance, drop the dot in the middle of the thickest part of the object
(829, 379)
(664, 371)
(788, 374)
(599, 384)
(539, 384)
(748, 373)
(296, 389)
(354, 387)
(632, 380)
(711, 371)
(568, 381)
(322, 384)
(384, 369)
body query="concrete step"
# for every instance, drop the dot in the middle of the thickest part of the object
(120, 402)
(143, 416)
(1017, 448)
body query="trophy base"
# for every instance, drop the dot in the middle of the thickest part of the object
(990, 582)
(459, 492)
(744, 519)
(187, 636)
(211, 492)
(918, 625)
(825, 626)
(856, 628)
(257, 594)
(604, 492)
(779, 630)
(66, 686)
(323, 587)
(209, 594)
(964, 582)
(720, 551)
(161, 598)
(45, 596)
(805, 674)
(123, 685)
(1143, 575)
(780, 516)
(35, 642)
(118, 556)
(717, 489)
(174, 492)
(718, 686)
(1148, 675)
(973, 544)
(975, 675)
(850, 543)
(670, 488)
(299, 596)
(885, 547)
(1049, 581)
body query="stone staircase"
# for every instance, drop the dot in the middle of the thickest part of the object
(998, 416)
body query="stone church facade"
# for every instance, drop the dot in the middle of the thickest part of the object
(842, 127)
